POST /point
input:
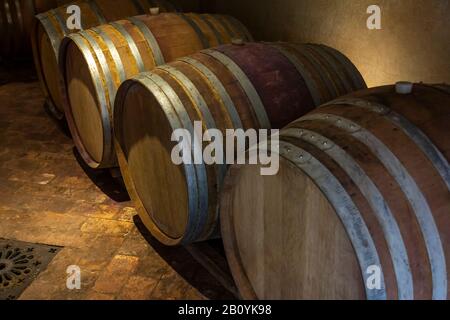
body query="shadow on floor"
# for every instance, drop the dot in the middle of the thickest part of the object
(17, 71)
(60, 123)
(113, 187)
(186, 266)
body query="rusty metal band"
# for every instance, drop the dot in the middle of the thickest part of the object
(131, 44)
(198, 31)
(53, 35)
(246, 85)
(412, 192)
(318, 68)
(198, 100)
(341, 77)
(198, 220)
(213, 28)
(113, 51)
(221, 20)
(218, 88)
(347, 211)
(62, 22)
(96, 10)
(151, 40)
(380, 207)
(200, 104)
(105, 68)
(100, 92)
(326, 73)
(352, 71)
(304, 73)
(414, 133)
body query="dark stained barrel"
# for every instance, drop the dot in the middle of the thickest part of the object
(239, 86)
(364, 185)
(96, 61)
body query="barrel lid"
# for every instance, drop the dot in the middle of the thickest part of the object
(144, 133)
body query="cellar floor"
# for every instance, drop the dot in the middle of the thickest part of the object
(47, 197)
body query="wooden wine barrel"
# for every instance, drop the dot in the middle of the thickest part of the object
(363, 187)
(51, 27)
(16, 20)
(253, 85)
(95, 62)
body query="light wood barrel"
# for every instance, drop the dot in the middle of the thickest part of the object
(253, 85)
(363, 187)
(96, 61)
(51, 27)
(16, 20)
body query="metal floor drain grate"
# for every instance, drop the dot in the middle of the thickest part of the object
(20, 263)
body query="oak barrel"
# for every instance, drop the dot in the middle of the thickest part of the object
(50, 28)
(238, 86)
(16, 21)
(96, 61)
(360, 206)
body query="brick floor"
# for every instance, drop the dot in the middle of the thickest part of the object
(47, 197)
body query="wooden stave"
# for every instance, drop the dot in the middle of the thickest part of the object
(372, 100)
(109, 160)
(417, 195)
(430, 124)
(252, 122)
(56, 30)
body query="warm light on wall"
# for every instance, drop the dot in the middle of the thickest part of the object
(413, 43)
